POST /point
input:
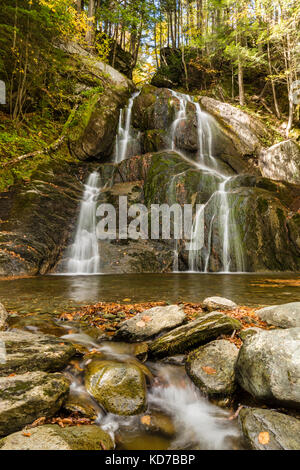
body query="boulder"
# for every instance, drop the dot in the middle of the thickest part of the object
(29, 396)
(3, 317)
(215, 303)
(247, 133)
(212, 367)
(150, 323)
(269, 430)
(195, 333)
(281, 162)
(119, 387)
(283, 316)
(53, 437)
(30, 352)
(268, 366)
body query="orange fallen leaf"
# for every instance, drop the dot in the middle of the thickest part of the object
(209, 370)
(146, 420)
(146, 318)
(140, 324)
(264, 438)
(26, 434)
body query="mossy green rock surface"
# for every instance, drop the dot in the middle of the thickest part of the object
(53, 437)
(211, 367)
(26, 397)
(119, 387)
(198, 332)
(282, 431)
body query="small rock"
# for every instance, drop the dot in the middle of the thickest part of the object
(3, 317)
(196, 333)
(218, 303)
(283, 316)
(119, 387)
(269, 430)
(28, 352)
(211, 367)
(53, 437)
(151, 322)
(268, 366)
(158, 422)
(26, 397)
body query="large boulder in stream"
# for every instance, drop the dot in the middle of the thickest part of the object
(268, 366)
(26, 352)
(150, 323)
(195, 333)
(29, 396)
(269, 430)
(212, 367)
(281, 162)
(53, 437)
(3, 317)
(119, 387)
(283, 316)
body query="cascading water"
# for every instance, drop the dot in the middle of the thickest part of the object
(220, 199)
(124, 136)
(84, 253)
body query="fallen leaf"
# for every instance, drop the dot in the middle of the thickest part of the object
(209, 370)
(126, 300)
(146, 318)
(141, 324)
(26, 434)
(146, 420)
(264, 438)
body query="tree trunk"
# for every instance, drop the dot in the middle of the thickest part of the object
(91, 23)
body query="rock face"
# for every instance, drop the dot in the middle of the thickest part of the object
(212, 367)
(39, 217)
(29, 396)
(269, 430)
(30, 352)
(268, 366)
(198, 332)
(3, 317)
(248, 134)
(283, 316)
(281, 162)
(150, 323)
(215, 303)
(53, 437)
(120, 388)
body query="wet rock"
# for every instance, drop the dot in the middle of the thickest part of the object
(158, 422)
(53, 437)
(29, 352)
(268, 366)
(178, 360)
(3, 317)
(141, 351)
(269, 430)
(189, 336)
(211, 367)
(281, 162)
(29, 396)
(153, 109)
(151, 322)
(42, 323)
(79, 401)
(283, 316)
(119, 387)
(247, 133)
(215, 303)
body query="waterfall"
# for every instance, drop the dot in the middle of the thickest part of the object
(220, 197)
(84, 252)
(124, 136)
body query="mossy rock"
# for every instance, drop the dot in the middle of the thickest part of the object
(53, 437)
(187, 337)
(119, 387)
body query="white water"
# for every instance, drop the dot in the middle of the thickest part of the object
(206, 161)
(124, 136)
(84, 253)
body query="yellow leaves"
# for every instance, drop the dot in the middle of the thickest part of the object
(264, 438)
(146, 420)
(126, 300)
(209, 370)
